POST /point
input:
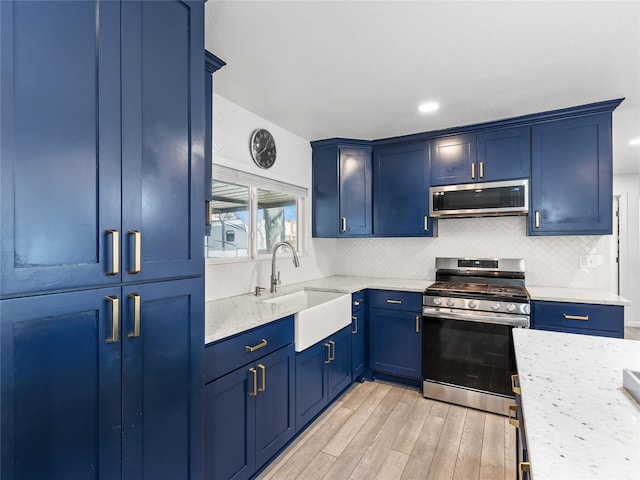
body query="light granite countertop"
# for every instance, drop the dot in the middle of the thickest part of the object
(229, 316)
(576, 295)
(580, 422)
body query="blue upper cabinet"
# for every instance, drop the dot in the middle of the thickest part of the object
(341, 188)
(59, 144)
(491, 155)
(100, 183)
(571, 176)
(401, 191)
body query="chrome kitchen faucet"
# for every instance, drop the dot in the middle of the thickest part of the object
(275, 280)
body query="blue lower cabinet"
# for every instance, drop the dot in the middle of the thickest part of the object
(322, 372)
(358, 337)
(395, 342)
(92, 375)
(583, 318)
(249, 416)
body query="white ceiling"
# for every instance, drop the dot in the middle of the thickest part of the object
(359, 69)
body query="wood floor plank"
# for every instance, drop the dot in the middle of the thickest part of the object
(351, 456)
(493, 448)
(444, 460)
(318, 467)
(406, 439)
(509, 450)
(424, 449)
(297, 462)
(351, 427)
(439, 409)
(358, 395)
(470, 450)
(378, 449)
(392, 466)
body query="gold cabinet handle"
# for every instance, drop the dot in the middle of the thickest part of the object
(136, 315)
(513, 419)
(333, 350)
(137, 251)
(515, 379)
(417, 323)
(343, 224)
(263, 343)
(255, 382)
(481, 169)
(115, 318)
(328, 360)
(354, 319)
(263, 372)
(426, 223)
(358, 302)
(576, 317)
(473, 170)
(537, 219)
(115, 251)
(524, 467)
(395, 302)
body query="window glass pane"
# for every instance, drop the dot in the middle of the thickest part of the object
(229, 222)
(277, 219)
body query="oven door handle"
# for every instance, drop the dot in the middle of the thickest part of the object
(512, 320)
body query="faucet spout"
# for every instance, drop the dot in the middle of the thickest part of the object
(275, 279)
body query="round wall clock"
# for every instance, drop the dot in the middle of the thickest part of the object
(263, 148)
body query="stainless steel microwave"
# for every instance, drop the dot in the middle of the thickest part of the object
(480, 199)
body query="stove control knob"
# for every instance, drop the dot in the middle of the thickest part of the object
(451, 302)
(472, 304)
(495, 306)
(511, 307)
(437, 301)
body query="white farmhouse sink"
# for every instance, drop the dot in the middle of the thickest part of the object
(320, 314)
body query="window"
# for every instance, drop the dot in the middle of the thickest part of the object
(250, 214)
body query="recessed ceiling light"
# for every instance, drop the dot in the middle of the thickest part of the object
(635, 141)
(428, 107)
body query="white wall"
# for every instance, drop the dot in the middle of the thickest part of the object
(232, 128)
(628, 188)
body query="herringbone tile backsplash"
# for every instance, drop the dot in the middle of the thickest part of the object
(552, 261)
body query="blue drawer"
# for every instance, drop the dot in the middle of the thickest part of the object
(394, 300)
(231, 353)
(579, 318)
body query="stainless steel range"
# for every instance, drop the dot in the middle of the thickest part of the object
(468, 317)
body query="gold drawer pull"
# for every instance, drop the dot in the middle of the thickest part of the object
(332, 354)
(473, 170)
(513, 419)
(358, 302)
(328, 360)
(115, 251)
(537, 219)
(576, 317)
(481, 169)
(417, 323)
(136, 315)
(137, 251)
(355, 322)
(263, 343)
(255, 382)
(515, 379)
(524, 467)
(395, 302)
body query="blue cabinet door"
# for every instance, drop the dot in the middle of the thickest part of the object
(311, 382)
(504, 154)
(163, 122)
(59, 144)
(61, 396)
(229, 424)
(275, 403)
(395, 342)
(162, 388)
(339, 368)
(355, 191)
(452, 158)
(401, 191)
(571, 177)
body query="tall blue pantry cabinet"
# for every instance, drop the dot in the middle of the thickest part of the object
(101, 281)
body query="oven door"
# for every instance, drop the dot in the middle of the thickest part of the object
(468, 358)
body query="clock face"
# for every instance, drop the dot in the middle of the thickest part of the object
(263, 148)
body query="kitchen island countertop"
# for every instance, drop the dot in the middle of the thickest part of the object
(580, 422)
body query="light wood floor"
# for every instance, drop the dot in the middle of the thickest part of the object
(632, 333)
(381, 431)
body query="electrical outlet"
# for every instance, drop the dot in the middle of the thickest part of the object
(589, 261)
